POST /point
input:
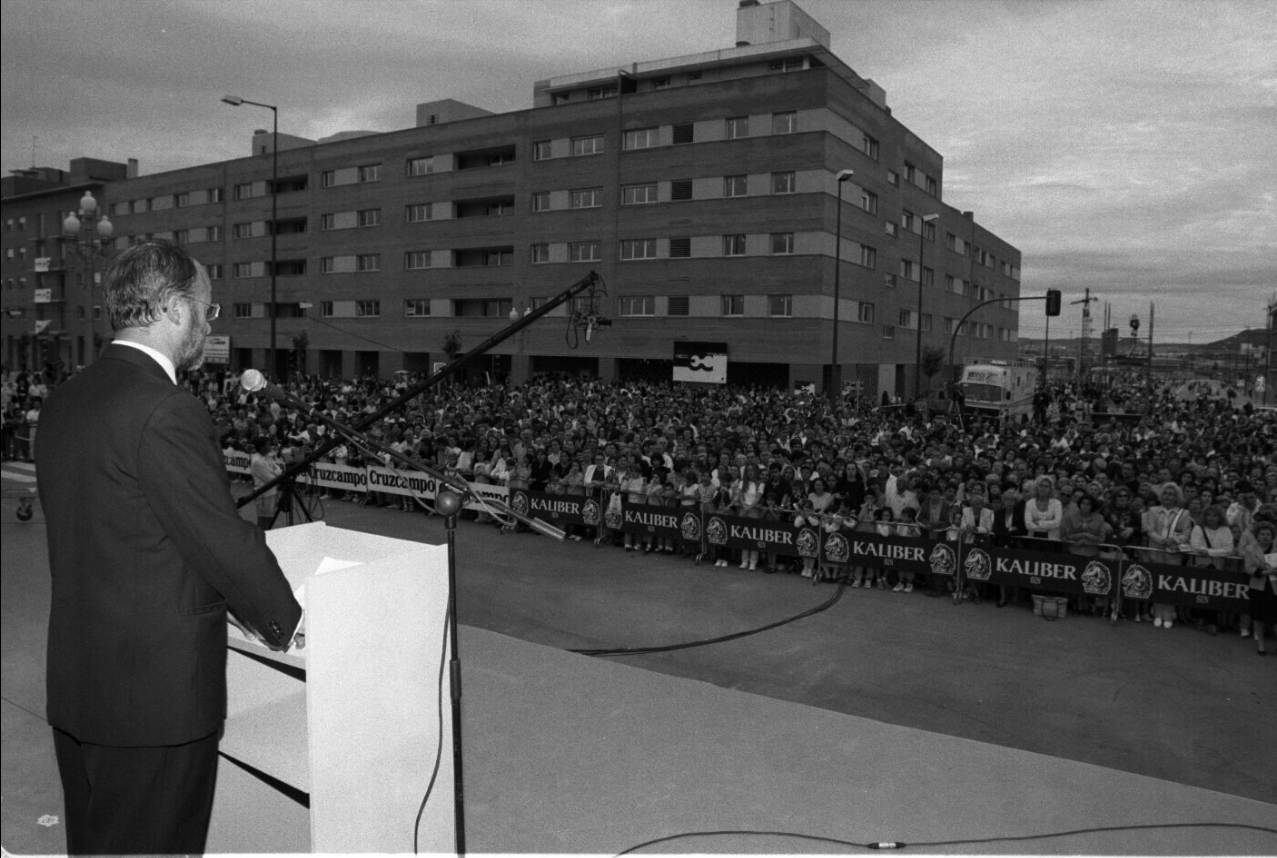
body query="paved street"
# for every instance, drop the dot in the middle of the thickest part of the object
(1178, 705)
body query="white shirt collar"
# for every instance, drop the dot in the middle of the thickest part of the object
(162, 360)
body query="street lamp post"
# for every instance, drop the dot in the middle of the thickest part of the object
(835, 368)
(88, 245)
(917, 366)
(236, 101)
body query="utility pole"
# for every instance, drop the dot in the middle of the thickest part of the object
(1084, 343)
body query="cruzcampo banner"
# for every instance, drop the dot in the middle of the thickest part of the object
(1191, 586)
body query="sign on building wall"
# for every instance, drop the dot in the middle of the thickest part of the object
(703, 363)
(43, 296)
(42, 265)
(217, 349)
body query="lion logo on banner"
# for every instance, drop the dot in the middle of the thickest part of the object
(716, 531)
(519, 503)
(837, 548)
(978, 566)
(943, 560)
(1096, 579)
(590, 511)
(808, 542)
(691, 527)
(1137, 583)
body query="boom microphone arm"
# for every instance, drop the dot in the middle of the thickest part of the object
(591, 281)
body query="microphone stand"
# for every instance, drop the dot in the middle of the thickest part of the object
(449, 500)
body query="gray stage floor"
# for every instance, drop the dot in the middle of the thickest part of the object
(885, 717)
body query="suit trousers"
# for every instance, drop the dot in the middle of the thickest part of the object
(147, 800)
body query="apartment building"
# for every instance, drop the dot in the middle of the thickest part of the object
(705, 190)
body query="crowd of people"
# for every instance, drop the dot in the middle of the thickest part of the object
(1193, 480)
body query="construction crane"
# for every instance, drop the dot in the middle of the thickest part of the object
(1084, 343)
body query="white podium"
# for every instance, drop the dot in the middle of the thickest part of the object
(353, 723)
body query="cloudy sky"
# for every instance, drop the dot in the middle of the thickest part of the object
(1123, 146)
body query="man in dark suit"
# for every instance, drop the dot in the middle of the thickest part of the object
(147, 554)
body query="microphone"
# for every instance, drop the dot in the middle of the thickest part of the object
(254, 382)
(546, 529)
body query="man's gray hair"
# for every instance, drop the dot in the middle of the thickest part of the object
(141, 279)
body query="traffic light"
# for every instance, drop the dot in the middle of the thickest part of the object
(1053, 302)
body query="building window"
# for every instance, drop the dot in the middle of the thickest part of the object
(242, 269)
(888, 332)
(911, 173)
(326, 265)
(639, 138)
(596, 92)
(932, 187)
(421, 166)
(904, 319)
(783, 183)
(680, 247)
(367, 309)
(242, 311)
(215, 271)
(734, 245)
(891, 228)
(660, 83)
(782, 243)
(584, 251)
(685, 133)
(638, 248)
(241, 191)
(889, 280)
(928, 276)
(418, 212)
(587, 145)
(780, 305)
(541, 150)
(498, 307)
(586, 198)
(634, 195)
(926, 323)
(893, 178)
(735, 186)
(241, 230)
(181, 236)
(414, 260)
(868, 257)
(865, 313)
(906, 269)
(215, 195)
(869, 202)
(370, 173)
(789, 64)
(785, 123)
(736, 127)
(182, 200)
(907, 219)
(540, 253)
(733, 305)
(368, 262)
(369, 217)
(636, 305)
(870, 146)
(681, 189)
(679, 305)
(415, 308)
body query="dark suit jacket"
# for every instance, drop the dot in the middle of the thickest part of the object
(146, 551)
(1002, 535)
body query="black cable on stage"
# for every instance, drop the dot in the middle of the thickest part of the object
(923, 844)
(829, 603)
(443, 663)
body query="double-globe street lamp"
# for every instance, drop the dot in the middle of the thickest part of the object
(835, 368)
(236, 101)
(917, 367)
(88, 244)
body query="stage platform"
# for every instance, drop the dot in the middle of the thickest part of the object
(571, 754)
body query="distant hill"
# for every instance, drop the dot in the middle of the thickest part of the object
(1228, 345)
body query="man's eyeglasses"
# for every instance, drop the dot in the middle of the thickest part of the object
(214, 310)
